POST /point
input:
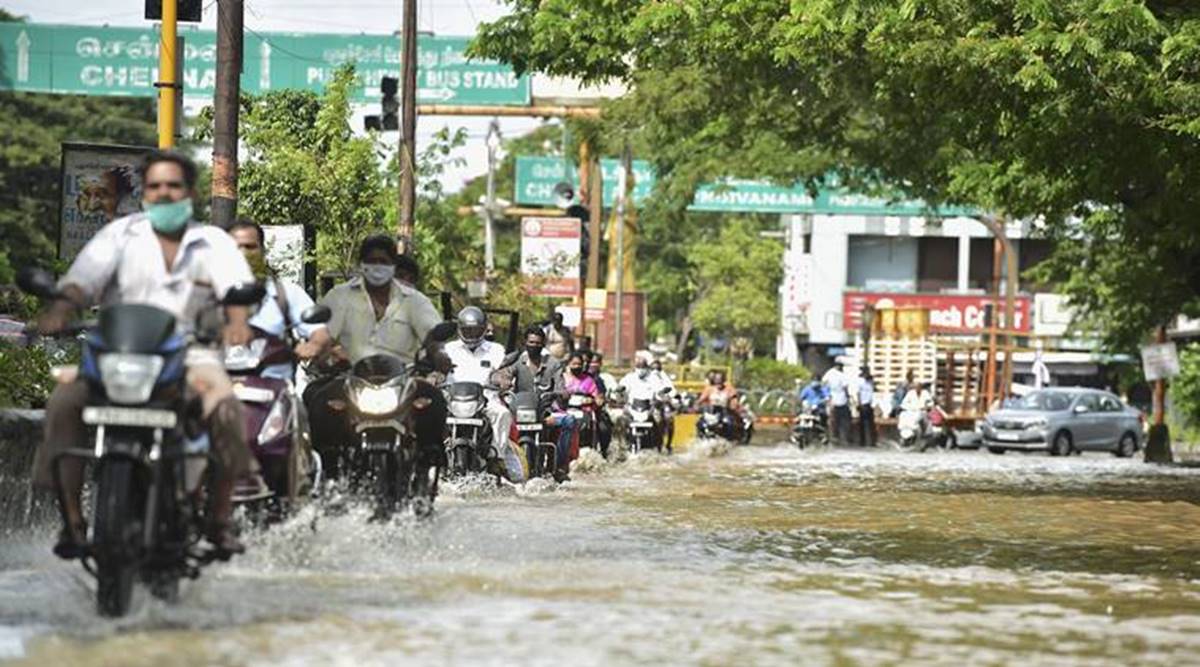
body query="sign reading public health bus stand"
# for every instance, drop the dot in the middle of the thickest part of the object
(99, 184)
(550, 249)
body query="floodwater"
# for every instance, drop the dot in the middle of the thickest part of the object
(757, 556)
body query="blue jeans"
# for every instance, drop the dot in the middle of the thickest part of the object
(566, 427)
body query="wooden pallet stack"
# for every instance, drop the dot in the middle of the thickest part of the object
(960, 373)
(890, 360)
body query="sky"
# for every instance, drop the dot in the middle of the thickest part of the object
(441, 17)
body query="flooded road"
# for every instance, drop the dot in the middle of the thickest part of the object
(757, 556)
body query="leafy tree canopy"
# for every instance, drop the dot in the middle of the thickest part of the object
(1083, 113)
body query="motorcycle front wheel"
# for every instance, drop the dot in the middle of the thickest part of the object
(383, 484)
(117, 524)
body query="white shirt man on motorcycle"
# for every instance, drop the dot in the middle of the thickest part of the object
(643, 384)
(475, 359)
(284, 303)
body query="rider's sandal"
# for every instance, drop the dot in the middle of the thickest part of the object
(223, 537)
(72, 542)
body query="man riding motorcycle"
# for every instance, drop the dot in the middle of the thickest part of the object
(641, 384)
(475, 359)
(163, 258)
(533, 370)
(656, 370)
(284, 303)
(374, 313)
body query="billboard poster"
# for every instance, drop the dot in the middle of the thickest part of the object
(550, 249)
(948, 313)
(99, 184)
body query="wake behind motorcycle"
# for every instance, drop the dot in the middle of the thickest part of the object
(150, 453)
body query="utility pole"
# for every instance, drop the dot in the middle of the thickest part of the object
(489, 206)
(408, 127)
(622, 195)
(225, 113)
(167, 83)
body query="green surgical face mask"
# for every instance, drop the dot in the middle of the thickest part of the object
(170, 217)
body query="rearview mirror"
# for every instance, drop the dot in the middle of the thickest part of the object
(38, 282)
(244, 294)
(318, 314)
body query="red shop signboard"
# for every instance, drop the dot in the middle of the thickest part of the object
(952, 313)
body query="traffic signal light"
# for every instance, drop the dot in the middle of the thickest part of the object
(585, 237)
(389, 120)
(185, 10)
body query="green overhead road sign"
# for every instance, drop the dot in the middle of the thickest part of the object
(537, 176)
(95, 60)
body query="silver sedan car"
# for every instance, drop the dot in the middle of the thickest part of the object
(1062, 421)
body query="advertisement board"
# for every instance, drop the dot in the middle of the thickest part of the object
(550, 249)
(1160, 361)
(99, 184)
(948, 313)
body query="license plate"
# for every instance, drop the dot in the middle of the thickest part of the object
(1008, 437)
(145, 417)
(641, 424)
(460, 421)
(529, 427)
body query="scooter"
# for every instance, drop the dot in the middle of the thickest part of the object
(150, 452)
(276, 419)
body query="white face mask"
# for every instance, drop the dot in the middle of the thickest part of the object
(377, 275)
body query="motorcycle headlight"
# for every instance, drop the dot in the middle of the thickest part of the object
(275, 423)
(129, 378)
(377, 400)
(526, 416)
(463, 409)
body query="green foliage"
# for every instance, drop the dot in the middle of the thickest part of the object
(26, 372)
(766, 373)
(304, 166)
(737, 276)
(1185, 389)
(1085, 113)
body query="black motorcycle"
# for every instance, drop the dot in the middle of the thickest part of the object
(468, 432)
(384, 457)
(537, 440)
(150, 452)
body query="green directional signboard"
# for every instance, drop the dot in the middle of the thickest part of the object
(124, 61)
(537, 176)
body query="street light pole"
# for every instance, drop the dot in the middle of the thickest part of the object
(622, 195)
(408, 128)
(489, 206)
(225, 113)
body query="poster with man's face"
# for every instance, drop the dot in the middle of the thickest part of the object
(99, 184)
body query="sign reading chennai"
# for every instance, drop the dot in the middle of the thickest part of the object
(124, 61)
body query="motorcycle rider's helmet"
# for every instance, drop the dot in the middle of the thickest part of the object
(472, 325)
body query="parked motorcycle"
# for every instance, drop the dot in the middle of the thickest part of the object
(469, 433)
(809, 426)
(276, 420)
(150, 452)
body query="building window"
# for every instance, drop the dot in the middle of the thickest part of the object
(937, 264)
(980, 275)
(882, 264)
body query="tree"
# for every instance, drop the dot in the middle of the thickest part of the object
(33, 127)
(737, 280)
(1083, 113)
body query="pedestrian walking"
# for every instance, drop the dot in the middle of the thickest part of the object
(866, 409)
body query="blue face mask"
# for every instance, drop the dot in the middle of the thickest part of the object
(169, 217)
